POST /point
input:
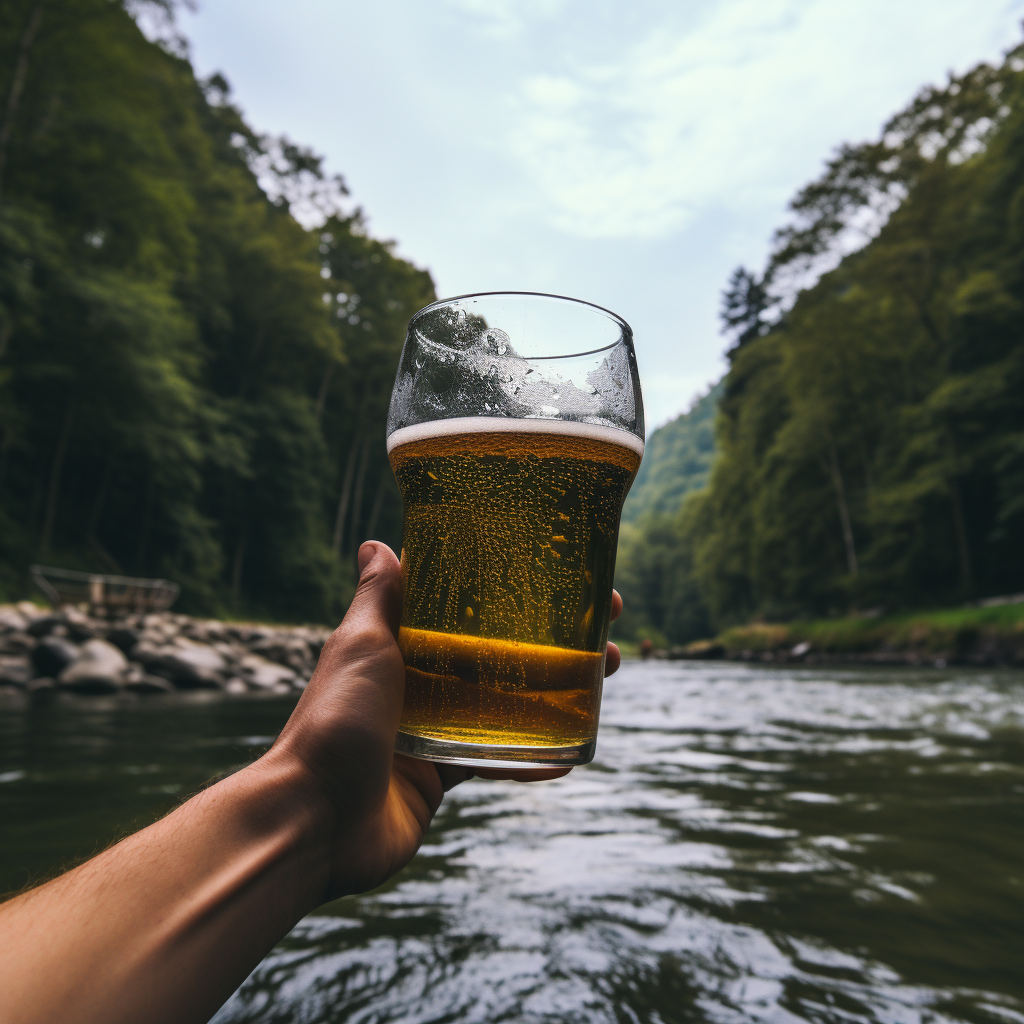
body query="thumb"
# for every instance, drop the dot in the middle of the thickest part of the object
(377, 603)
(360, 676)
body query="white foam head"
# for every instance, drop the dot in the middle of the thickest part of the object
(503, 425)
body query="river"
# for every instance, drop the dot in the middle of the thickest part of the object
(751, 844)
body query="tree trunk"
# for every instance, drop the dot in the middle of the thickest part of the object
(18, 83)
(94, 518)
(357, 500)
(378, 501)
(346, 490)
(963, 547)
(5, 448)
(844, 512)
(236, 569)
(321, 398)
(147, 514)
(100, 501)
(56, 468)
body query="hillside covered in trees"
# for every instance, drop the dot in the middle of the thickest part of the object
(677, 462)
(871, 431)
(192, 384)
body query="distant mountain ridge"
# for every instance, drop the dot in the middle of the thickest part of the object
(677, 460)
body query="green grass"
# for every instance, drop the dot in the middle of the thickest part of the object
(940, 631)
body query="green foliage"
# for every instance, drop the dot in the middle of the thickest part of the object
(184, 376)
(871, 429)
(654, 570)
(677, 460)
(948, 631)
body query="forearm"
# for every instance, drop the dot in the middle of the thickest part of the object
(164, 925)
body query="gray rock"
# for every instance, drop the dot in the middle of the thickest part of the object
(145, 683)
(80, 626)
(52, 655)
(195, 666)
(291, 651)
(262, 674)
(15, 670)
(44, 625)
(30, 611)
(124, 637)
(42, 686)
(99, 668)
(236, 685)
(17, 643)
(11, 620)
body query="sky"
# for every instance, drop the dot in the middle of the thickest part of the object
(627, 152)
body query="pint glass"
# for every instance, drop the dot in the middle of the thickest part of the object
(515, 430)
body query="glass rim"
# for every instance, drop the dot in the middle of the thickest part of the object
(627, 331)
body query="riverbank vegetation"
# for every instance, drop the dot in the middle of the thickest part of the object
(193, 384)
(870, 435)
(975, 635)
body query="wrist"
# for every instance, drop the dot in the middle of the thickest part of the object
(285, 805)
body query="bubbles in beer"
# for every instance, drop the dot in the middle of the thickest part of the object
(508, 558)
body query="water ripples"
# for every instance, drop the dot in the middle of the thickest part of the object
(751, 844)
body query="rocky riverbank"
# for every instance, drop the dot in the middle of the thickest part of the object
(160, 652)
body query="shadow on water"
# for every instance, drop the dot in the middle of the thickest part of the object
(752, 844)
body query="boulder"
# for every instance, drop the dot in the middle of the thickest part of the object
(29, 610)
(99, 668)
(15, 670)
(124, 637)
(11, 620)
(291, 651)
(17, 643)
(190, 666)
(80, 626)
(52, 655)
(143, 682)
(262, 674)
(44, 625)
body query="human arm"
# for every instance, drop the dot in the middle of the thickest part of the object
(166, 924)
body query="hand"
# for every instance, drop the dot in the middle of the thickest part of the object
(376, 804)
(164, 925)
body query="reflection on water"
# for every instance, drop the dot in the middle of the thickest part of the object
(750, 845)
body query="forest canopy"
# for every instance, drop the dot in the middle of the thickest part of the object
(192, 383)
(870, 435)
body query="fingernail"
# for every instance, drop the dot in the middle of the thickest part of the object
(365, 556)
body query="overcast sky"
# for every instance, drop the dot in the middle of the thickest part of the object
(627, 152)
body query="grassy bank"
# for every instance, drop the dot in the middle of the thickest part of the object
(992, 635)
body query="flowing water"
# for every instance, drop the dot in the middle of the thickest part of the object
(751, 844)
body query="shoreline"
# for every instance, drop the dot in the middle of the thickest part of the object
(984, 636)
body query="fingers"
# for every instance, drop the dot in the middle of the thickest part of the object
(452, 774)
(612, 659)
(522, 774)
(616, 605)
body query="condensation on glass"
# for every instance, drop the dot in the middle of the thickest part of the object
(515, 430)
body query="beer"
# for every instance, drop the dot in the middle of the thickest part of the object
(508, 558)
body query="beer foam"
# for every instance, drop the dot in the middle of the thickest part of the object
(507, 425)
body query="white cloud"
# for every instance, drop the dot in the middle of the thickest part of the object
(628, 153)
(686, 119)
(506, 19)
